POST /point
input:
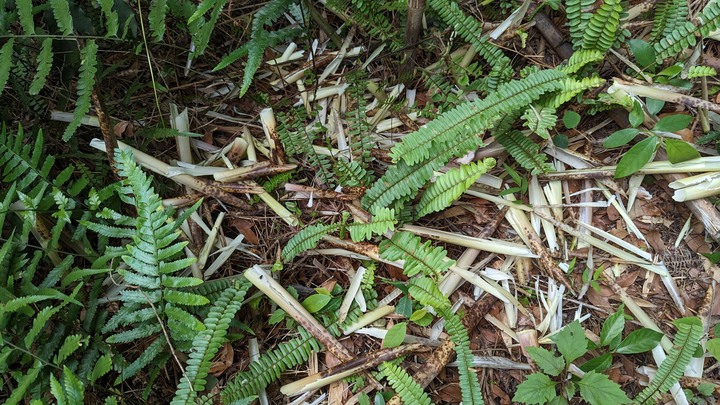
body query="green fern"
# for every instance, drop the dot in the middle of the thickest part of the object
(470, 30)
(206, 343)
(70, 391)
(306, 239)
(523, 149)
(469, 385)
(112, 22)
(86, 81)
(451, 135)
(152, 261)
(383, 221)
(684, 35)
(404, 385)
(6, 53)
(449, 187)
(669, 16)
(578, 17)
(44, 63)
(580, 59)
(701, 71)
(25, 16)
(539, 120)
(156, 18)
(473, 117)
(298, 141)
(427, 293)
(359, 131)
(63, 17)
(690, 330)
(419, 257)
(269, 367)
(260, 40)
(569, 88)
(371, 17)
(351, 174)
(600, 30)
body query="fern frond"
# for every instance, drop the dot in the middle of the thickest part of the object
(6, 53)
(306, 239)
(269, 367)
(669, 15)
(63, 17)
(539, 120)
(580, 58)
(601, 28)
(112, 23)
(25, 16)
(570, 88)
(410, 391)
(684, 36)
(383, 221)
(359, 131)
(690, 330)
(427, 293)
(450, 186)
(578, 17)
(259, 40)
(469, 385)
(701, 71)
(208, 342)
(470, 30)
(351, 174)
(156, 18)
(419, 257)
(474, 117)
(143, 361)
(86, 81)
(524, 150)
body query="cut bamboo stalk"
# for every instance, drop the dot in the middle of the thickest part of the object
(488, 245)
(269, 125)
(347, 369)
(368, 318)
(162, 168)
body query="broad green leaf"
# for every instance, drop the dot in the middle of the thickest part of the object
(706, 389)
(671, 71)
(395, 335)
(536, 389)
(612, 328)
(637, 116)
(316, 302)
(654, 106)
(571, 119)
(598, 364)
(561, 141)
(644, 52)
(672, 123)
(637, 157)
(547, 361)
(404, 307)
(421, 317)
(639, 341)
(713, 347)
(680, 151)
(597, 389)
(571, 342)
(276, 317)
(620, 138)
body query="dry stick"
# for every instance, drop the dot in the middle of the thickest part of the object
(108, 134)
(552, 35)
(413, 28)
(333, 374)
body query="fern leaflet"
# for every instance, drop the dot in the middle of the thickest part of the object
(469, 385)
(410, 391)
(63, 17)
(427, 293)
(601, 28)
(419, 257)
(306, 239)
(669, 16)
(86, 81)
(6, 53)
(450, 186)
(383, 221)
(206, 344)
(25, 15)
(690, 330)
